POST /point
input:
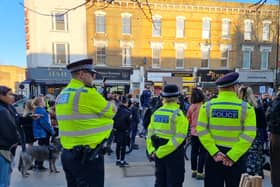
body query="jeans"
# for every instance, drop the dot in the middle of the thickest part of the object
(5, 172)
(197, 155)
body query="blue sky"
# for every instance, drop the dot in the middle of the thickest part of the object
(12, 36)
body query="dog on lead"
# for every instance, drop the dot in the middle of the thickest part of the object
(40, 153)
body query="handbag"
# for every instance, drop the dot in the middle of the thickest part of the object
(250, 181)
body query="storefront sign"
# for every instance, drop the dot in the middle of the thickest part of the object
(257, 76)
(113, 74)
(49, 74)
(157, 76)
(211, 75)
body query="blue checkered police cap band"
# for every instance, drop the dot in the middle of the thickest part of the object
(229, 84)
(164, 94)
(83, 67)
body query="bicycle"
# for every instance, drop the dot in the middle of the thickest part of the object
(188, 148)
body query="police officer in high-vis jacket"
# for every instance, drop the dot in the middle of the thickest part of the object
(226, 128)
(85, 121)
(166, 137)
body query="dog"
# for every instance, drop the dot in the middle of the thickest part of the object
(40, 153)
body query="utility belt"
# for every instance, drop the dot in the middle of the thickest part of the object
(84, 153)
(158, 141)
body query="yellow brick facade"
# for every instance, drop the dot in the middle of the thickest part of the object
(193, 12)
(12, 76)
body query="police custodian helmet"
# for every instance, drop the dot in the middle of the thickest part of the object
(85, 64)
(228, 80)
(170, 90)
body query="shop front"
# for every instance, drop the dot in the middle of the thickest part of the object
(260, 81)
(117, 80)
(207, 78)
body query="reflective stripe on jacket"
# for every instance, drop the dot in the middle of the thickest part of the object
(229, 122)
(170, 123)
(84, 116)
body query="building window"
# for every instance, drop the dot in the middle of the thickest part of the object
(101, 55)
(156, 26)
(225, 28)
(206, 28)
(59, 21)
(246, 59)
(180, 57)
(126, 56)
(205, 58)
(60, 53)
(266, 30)
(126, 23)
(180, 27)
(248, 24)
(224, 57)
(156, 57)
(265, 54)
(100, 22)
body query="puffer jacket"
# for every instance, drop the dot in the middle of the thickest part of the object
(42, 127)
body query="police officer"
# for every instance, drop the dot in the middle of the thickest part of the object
(166, 137)
(226, 128)
(85, 120)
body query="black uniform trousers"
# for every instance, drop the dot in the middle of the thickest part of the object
(170, 170)
(216, 174)
(89, 174)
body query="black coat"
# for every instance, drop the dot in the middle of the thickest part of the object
(9, 135)
(122, 119)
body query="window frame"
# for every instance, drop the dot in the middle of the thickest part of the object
(266, 30)
(56, 55)
(248, 29)
(206, 28)
(100, 25)
(54, 20)
(126, 57)
(126, 31)
(180, 30)
(100, 55)
(226, 23)
(178, 59)
(156, 26)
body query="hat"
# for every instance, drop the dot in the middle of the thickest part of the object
(170, 90)
(85, 64)
(228, 80)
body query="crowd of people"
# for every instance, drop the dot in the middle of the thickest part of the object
(229, 131)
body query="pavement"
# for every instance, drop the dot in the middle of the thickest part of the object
(139, 173)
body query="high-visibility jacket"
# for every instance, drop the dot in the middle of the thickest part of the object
(170, 123)
(84, 116)
(229, 122)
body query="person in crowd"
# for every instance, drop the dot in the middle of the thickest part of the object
(134, 123)
(226, 128)
(166, 138)
(42, 129)
(156, 103)
(254, 161)
(145, 101)
(52, 114)
(26, 121)
(9, 135)
(198, 152)
(85, 121)
(274, 127)
(122, 121)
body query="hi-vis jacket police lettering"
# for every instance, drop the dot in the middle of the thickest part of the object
(168, 122)
(229, 124)
(85, 117)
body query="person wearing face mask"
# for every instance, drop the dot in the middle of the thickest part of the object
(85, 121)
(9, 136)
